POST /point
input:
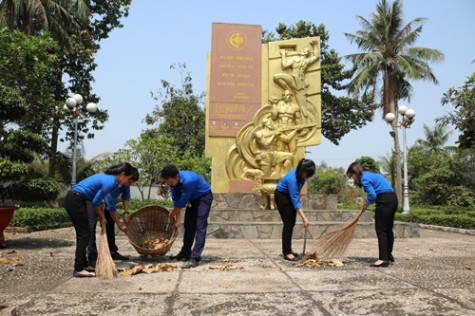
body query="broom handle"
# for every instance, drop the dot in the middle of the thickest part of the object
(355, 219)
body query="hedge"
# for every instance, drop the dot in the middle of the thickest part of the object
(42, 217)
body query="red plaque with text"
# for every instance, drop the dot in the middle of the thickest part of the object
(235, 82)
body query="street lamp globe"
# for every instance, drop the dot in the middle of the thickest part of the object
(390, 117)
(402, 109)
(71, 103)
(410, 113)
(91, 107)
(79, 99)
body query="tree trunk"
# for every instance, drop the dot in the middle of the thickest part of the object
(53, 149)
(397, 149)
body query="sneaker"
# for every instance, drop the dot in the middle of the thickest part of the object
(180, 257)
(118, 256)
(90, 268)
(192, 263)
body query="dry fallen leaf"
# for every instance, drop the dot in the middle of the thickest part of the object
(4, 260)
(149, 268)
(466, 267)
(225, 285)
(226, 267)
(334, 262)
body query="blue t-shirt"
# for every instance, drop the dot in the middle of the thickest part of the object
(111, 198)
(374, 184)
(190, 187)
(288, 185)
(96, 187)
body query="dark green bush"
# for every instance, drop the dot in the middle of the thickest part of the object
(447, 220)
(39, 217)
(39, 189)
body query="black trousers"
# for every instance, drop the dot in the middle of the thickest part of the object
(288, 214)
(196, 224)
(386, 207)
(110, 232)
(76, 206)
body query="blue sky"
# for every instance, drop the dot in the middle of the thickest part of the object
(157, 34)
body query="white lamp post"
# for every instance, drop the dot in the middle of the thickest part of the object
(407, 119)
(71, 107)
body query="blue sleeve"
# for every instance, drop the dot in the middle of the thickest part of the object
(184, 198)
(111, 203)
(368, 188)
(126, 194)
(101, 194)
(294, 192)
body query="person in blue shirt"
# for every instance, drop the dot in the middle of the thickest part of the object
(92, 189)
(287, 200)
(379, 191)
(189, 190)
(112, 219)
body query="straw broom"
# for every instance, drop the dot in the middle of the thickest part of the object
(334, 244)
(105, 266)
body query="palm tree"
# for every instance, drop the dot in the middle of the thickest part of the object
(33, 16)
(436, 138)
(388, 62)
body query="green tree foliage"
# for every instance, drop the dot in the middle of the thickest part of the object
(77, 26)
(388, 167)
(180, 116)
(368, 163)
(26, 71)
(24, 76)
(440, 179)
(339, 114)
(463, 117)
(327, 180)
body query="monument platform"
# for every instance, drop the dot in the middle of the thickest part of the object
(238, 216)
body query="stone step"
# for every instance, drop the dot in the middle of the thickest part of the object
(238, 215)
(273, 230)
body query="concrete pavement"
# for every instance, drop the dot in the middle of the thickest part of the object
(433, 275)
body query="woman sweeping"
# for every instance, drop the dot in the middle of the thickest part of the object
(93, 189)
(379, 190)
(287, 200)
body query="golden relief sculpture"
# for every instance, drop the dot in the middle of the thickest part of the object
(267, 148)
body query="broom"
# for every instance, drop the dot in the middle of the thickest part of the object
(334, 244)
(105, 266)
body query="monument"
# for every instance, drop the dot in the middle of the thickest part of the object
(263, 108)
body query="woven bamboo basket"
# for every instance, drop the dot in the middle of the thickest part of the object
(151, 223)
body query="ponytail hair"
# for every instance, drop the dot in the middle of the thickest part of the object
(124, 167)
(306, 165)
(356, 168)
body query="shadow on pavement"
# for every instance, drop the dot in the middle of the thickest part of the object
(38, 243)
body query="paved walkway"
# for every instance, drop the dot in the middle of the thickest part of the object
(432, 275)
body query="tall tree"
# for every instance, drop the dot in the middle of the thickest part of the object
(435, 138)
(388, 61)
(180, 116)
(78, 26)
(463, 117)
(339, 114)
